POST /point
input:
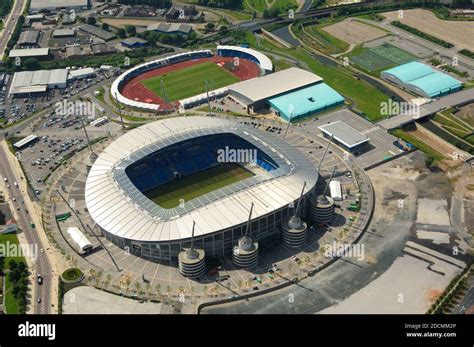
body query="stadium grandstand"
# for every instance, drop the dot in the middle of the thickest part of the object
(422, 80)
(263, 62)
(146, 189)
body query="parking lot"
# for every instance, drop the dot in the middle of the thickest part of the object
(4, 79)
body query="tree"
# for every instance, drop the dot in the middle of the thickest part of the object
(121, 33)
(31, 64)
(223, 29)
(105, 26)
(131, 30)
(210, 26)
(91, 20)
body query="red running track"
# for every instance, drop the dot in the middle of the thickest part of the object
(136, 91)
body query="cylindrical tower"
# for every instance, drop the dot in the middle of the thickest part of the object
(321, 209)
(293, 231)
(245, 254)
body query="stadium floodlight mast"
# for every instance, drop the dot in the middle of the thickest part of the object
(324, 154)
(87, 136)
(165, 97)
(295, 218)
(208, 100)
(120, 112)
(291, 108)
(191, 253)
(247, 229)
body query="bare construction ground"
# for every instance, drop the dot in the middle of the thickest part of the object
(354, 32)
(459, 33)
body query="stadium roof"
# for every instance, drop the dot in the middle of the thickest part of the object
(51, 4)
(344, 133)
(121, 209)
(306, 101)
(29, 52)
(264, 62)
(422, 79)
(274, 84)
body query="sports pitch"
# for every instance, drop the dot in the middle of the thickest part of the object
(181, 84)
(380, 57)
(192, 186)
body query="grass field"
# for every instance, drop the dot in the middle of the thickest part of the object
(380, 57)
(200, 183)
(188, 82)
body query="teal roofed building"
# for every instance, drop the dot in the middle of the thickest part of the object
(305, 101)
(422, 80)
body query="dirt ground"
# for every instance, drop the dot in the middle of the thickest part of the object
(455, 32)
(466, 114)
(354, 32)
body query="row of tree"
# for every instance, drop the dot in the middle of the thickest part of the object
(5, 7)
(18, 276)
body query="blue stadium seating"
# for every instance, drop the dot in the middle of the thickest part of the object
(188, 157)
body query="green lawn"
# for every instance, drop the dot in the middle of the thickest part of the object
(407, 137)
(188, 82)
(193, 186)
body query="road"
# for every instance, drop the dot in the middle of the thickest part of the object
(10, 24)
(42, 264)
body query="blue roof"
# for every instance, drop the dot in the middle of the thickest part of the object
(306, 101)
(431, 82)
(410, 71)
(436, 83)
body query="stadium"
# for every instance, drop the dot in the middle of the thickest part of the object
(149, 186)
(158, 85)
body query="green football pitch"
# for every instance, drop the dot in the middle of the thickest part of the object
(181, 84)
(190, 187)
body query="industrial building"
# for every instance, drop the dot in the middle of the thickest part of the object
(291, 94)
(97, 32)
(26, 141)
(171, 28)
(64, 32)
(79, 74)
(344, 135)
(28, 38)
(134, 42)
(28, 82)
(53, 5)
(38, 53)
(422, 80)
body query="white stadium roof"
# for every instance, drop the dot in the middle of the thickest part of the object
(118, 207)
(264, 87)
(264, 62)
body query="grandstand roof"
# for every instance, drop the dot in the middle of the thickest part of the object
(306, 101)
(274, 84)
(121, 209)
(422, 79)
(264, 62)
(344, 133)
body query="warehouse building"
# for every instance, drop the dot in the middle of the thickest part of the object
(38, 53)
(173, 28)
(64, 32)
(422, 80)
(134, 42)
(28, 38)
(25, 83)
(97, 32)
(54, 5)
(79, 74)
(292, 93)
(345, 136)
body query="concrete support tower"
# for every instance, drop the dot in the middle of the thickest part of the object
(192, 262)
(293, 229)
(245, 254)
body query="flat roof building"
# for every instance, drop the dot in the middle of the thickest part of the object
(171, 28)
(305, 101)
(27, 82)
(422, 80)
(134, 42)
(97, 32)
(255, 92)
(81, 73)
(64, 32)
(26, 141)
(28, 38)
(344, 135)
(38, 5)
(29, 53)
